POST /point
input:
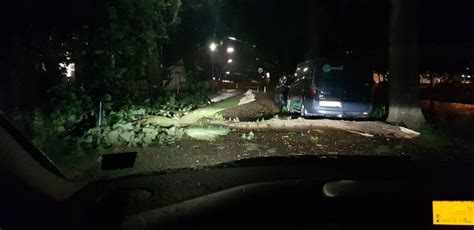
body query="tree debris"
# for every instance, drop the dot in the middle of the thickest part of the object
(409, 131)
(362, 134)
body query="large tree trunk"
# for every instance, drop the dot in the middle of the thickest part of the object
(404, 108)
(154, 77)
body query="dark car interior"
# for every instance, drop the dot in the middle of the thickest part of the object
(337, 192)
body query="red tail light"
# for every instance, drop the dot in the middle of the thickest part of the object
(313, 92)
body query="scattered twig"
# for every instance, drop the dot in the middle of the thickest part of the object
(362, 134)
(409, 131)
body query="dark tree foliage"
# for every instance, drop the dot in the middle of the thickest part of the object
(111, 42)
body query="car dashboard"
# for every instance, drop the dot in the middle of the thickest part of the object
(278, 193)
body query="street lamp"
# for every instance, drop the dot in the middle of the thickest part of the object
(229, 61)
(230, 50)
(213, 47)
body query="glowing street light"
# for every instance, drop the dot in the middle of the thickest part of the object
(229, 61)
(232, 38)
(230, 50)
(213, 47)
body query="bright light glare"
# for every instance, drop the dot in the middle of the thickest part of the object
(305, 69)
(233, 38)
(213, 46)
(268, 75)
(208, 133)
(70, 69)
(230, 50)
(229, 61)
(228, 72)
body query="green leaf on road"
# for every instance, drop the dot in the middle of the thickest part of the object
(314, 139)
(252, 147)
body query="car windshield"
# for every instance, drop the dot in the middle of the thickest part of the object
(119, 87)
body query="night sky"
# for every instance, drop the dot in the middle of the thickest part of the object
(281, 28)
(278, 27)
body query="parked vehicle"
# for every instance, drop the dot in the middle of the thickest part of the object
(325, 88)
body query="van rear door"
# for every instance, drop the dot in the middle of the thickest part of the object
(329, 82)
(339, 81)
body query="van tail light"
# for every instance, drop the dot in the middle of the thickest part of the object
(313, 92)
